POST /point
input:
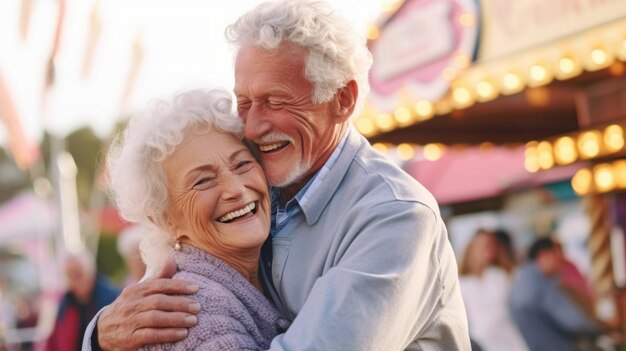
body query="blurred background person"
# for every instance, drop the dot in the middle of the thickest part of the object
(128, 247)
(574, 284)
(7, 315)
(87, 292)
(547, 318)
(485, 285)
(506, 256)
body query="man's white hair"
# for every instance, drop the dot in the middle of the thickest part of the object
(336, 51)
(136, 180)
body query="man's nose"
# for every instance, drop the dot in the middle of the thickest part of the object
(256, 123)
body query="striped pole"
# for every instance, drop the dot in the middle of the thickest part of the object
(599, 209)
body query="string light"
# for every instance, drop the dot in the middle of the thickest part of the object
(403, 116)
(531, 159)
(511, 83)
(486, 90)
(405, 151)
(603, 177)
(567, 65)
(462, 97)
(424, 109)
(582, 182)
(544, 152)
(565, 150)
(599, 57)
(384, 122)
(539, 75)
(365, 126)
(433, 152)
(589, 144)
(614, 138)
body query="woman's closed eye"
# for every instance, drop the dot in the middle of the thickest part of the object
(243, 166)
(203, 183)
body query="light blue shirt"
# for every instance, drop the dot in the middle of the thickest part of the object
(365, 263)
(281, 214)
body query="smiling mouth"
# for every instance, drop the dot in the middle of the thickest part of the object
(234, 215)
(273, 147)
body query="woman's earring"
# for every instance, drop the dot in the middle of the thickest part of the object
(177, 245)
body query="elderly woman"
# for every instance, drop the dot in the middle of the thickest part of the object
(183, 171)
(485, 285)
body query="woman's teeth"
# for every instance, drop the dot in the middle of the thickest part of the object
(230, 216)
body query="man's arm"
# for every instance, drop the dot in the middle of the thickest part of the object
(566, 314)
(145, 313)
(395, 281)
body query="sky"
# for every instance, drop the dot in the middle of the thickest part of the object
(182, 42)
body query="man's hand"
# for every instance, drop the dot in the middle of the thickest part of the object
(145, 313)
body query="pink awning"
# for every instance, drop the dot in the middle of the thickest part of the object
(474, 174)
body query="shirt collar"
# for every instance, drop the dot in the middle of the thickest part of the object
(318, 196)
(303, 197)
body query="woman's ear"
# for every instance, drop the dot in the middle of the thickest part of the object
(168, 224)
(346, 100)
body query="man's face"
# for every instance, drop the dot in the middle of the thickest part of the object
(552, 261)
(294, 136)
(80, 279)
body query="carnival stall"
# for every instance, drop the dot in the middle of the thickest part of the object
(518, 92)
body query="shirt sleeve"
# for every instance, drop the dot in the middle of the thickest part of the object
(386, 288)
(90, 338)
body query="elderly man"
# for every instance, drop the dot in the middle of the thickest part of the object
(359, 257)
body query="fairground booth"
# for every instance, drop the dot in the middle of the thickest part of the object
(512, 113)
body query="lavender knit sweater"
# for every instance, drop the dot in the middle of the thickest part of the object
(234, 316)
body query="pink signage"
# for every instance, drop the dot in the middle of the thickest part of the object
(417, 44)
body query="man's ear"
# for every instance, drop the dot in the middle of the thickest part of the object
(346, 100)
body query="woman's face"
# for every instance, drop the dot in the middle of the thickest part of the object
(218, 195)
(485, 249)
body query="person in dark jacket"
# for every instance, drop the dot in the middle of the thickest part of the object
(87, 292)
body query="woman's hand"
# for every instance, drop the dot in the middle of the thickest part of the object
(146, 313)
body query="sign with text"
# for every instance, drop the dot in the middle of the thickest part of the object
(514, 25)
(416, 45)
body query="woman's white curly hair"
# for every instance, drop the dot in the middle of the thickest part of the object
(336, 51)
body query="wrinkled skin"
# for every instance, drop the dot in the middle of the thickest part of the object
(134, 319)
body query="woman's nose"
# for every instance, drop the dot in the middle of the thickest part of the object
(233, 188)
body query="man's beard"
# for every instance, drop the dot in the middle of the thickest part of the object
(295, 174)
